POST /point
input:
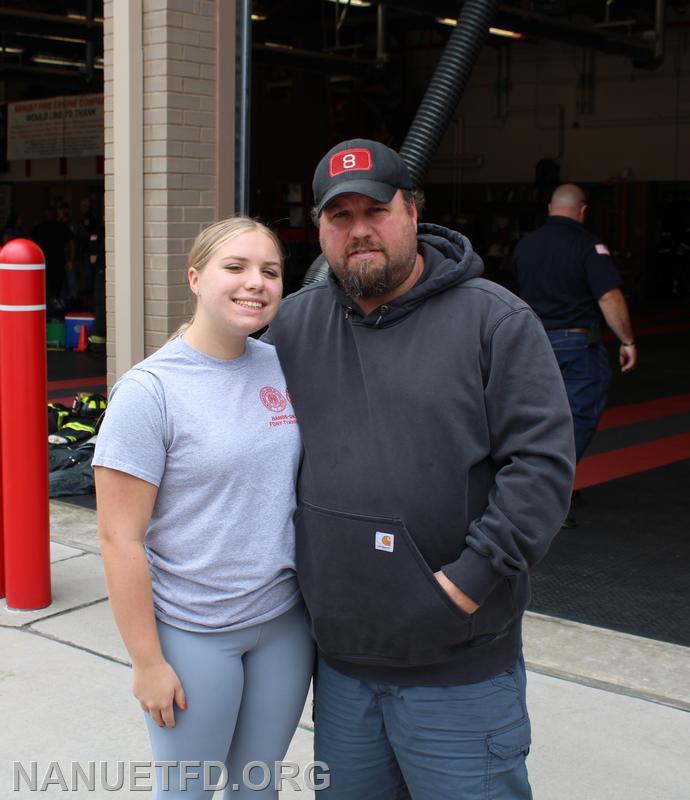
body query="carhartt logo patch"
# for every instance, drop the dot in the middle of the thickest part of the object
(385, 541)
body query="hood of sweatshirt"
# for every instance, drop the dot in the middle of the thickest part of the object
(449, 260)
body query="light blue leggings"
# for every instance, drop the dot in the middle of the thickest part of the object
(245, 692)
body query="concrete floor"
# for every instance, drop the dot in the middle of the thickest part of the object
(610, 712)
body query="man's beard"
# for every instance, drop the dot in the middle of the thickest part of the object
(369, 277)
(365, 283)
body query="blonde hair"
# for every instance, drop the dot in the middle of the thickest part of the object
(214, 237)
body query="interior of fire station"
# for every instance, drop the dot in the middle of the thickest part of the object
(595, 92)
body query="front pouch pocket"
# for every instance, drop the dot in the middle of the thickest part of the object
(372, 597)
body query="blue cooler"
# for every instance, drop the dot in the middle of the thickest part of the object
(73, 323)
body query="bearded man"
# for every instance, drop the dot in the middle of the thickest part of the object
(438, 464)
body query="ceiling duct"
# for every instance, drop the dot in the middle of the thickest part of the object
(440, 100)
(446, 86)
(638, 48)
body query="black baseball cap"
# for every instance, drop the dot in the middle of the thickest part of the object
(360, 166)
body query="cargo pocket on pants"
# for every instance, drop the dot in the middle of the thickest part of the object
(507, 771)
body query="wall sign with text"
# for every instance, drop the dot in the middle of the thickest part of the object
(55, 127)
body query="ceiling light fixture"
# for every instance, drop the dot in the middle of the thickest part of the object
(505, 33)
(52, 38)
(82, 17)
(494, 31)
(357, 3)
(56, 62)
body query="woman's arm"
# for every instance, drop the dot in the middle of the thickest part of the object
(125, 504)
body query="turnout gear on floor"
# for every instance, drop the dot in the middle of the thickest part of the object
(71, 439)
(74, 431)
(58, 414)
(89, 405)
(70, 470)
(76, 480)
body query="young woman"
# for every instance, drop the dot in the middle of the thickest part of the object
(196, 465)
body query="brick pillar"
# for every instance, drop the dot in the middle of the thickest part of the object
(185, 111)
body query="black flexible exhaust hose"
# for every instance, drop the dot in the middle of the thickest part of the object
(318, 271)
(440, 100)
(446, 86)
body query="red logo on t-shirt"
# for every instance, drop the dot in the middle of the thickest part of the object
(348, 160)
(272, 399)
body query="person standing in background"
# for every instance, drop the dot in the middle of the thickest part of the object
(82, 228)
(54, 236)
(96, 256)
(568, 277)
(14, 228)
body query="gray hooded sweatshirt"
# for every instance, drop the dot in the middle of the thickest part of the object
(437, 435)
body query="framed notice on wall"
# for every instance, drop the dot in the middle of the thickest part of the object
(56, 127)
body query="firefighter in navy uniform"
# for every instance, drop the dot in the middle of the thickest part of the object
(567, 275)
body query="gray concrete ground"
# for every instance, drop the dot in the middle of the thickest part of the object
(610, 712)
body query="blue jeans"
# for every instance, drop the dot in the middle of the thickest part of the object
(389, 742)
(587, 375)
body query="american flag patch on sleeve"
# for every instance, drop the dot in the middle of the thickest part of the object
(602, 249)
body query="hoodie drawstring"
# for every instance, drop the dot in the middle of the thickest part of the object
(383, 310)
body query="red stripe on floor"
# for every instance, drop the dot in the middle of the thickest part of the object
(639, 412)
(79, 383)
(632, 460)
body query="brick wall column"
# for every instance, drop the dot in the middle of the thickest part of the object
(186, 162)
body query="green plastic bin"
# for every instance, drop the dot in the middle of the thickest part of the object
(55, 335)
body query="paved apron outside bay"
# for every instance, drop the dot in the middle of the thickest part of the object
(610, 712)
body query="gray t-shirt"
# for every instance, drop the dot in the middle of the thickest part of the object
(220, 441)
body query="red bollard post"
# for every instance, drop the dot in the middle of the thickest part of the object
(2, 537)
(24, 425)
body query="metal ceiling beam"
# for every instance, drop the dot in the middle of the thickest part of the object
(13, 20)
(34, 46)
(540, 26)
(49, 75)
(314, 59)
